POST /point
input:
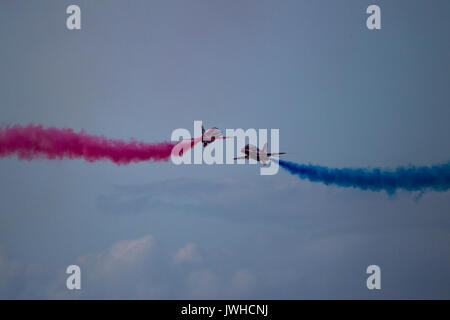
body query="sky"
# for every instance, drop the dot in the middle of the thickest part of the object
(340, 94)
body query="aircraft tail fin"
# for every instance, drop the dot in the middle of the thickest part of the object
(264, 149)
(203, 135)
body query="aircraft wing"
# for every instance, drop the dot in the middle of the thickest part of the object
(275, 154)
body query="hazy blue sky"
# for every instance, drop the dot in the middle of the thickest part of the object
(340, 94)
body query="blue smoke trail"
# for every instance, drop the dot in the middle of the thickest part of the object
(436, 178)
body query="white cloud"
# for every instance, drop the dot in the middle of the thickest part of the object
(140, 269)
(242, 282)
(203, 284)
(188, 253)
(9, 269)
(123, 252)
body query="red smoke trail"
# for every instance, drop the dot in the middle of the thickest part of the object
(35, 141)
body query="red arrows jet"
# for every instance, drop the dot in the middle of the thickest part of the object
(208, 136)
(262, 155)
